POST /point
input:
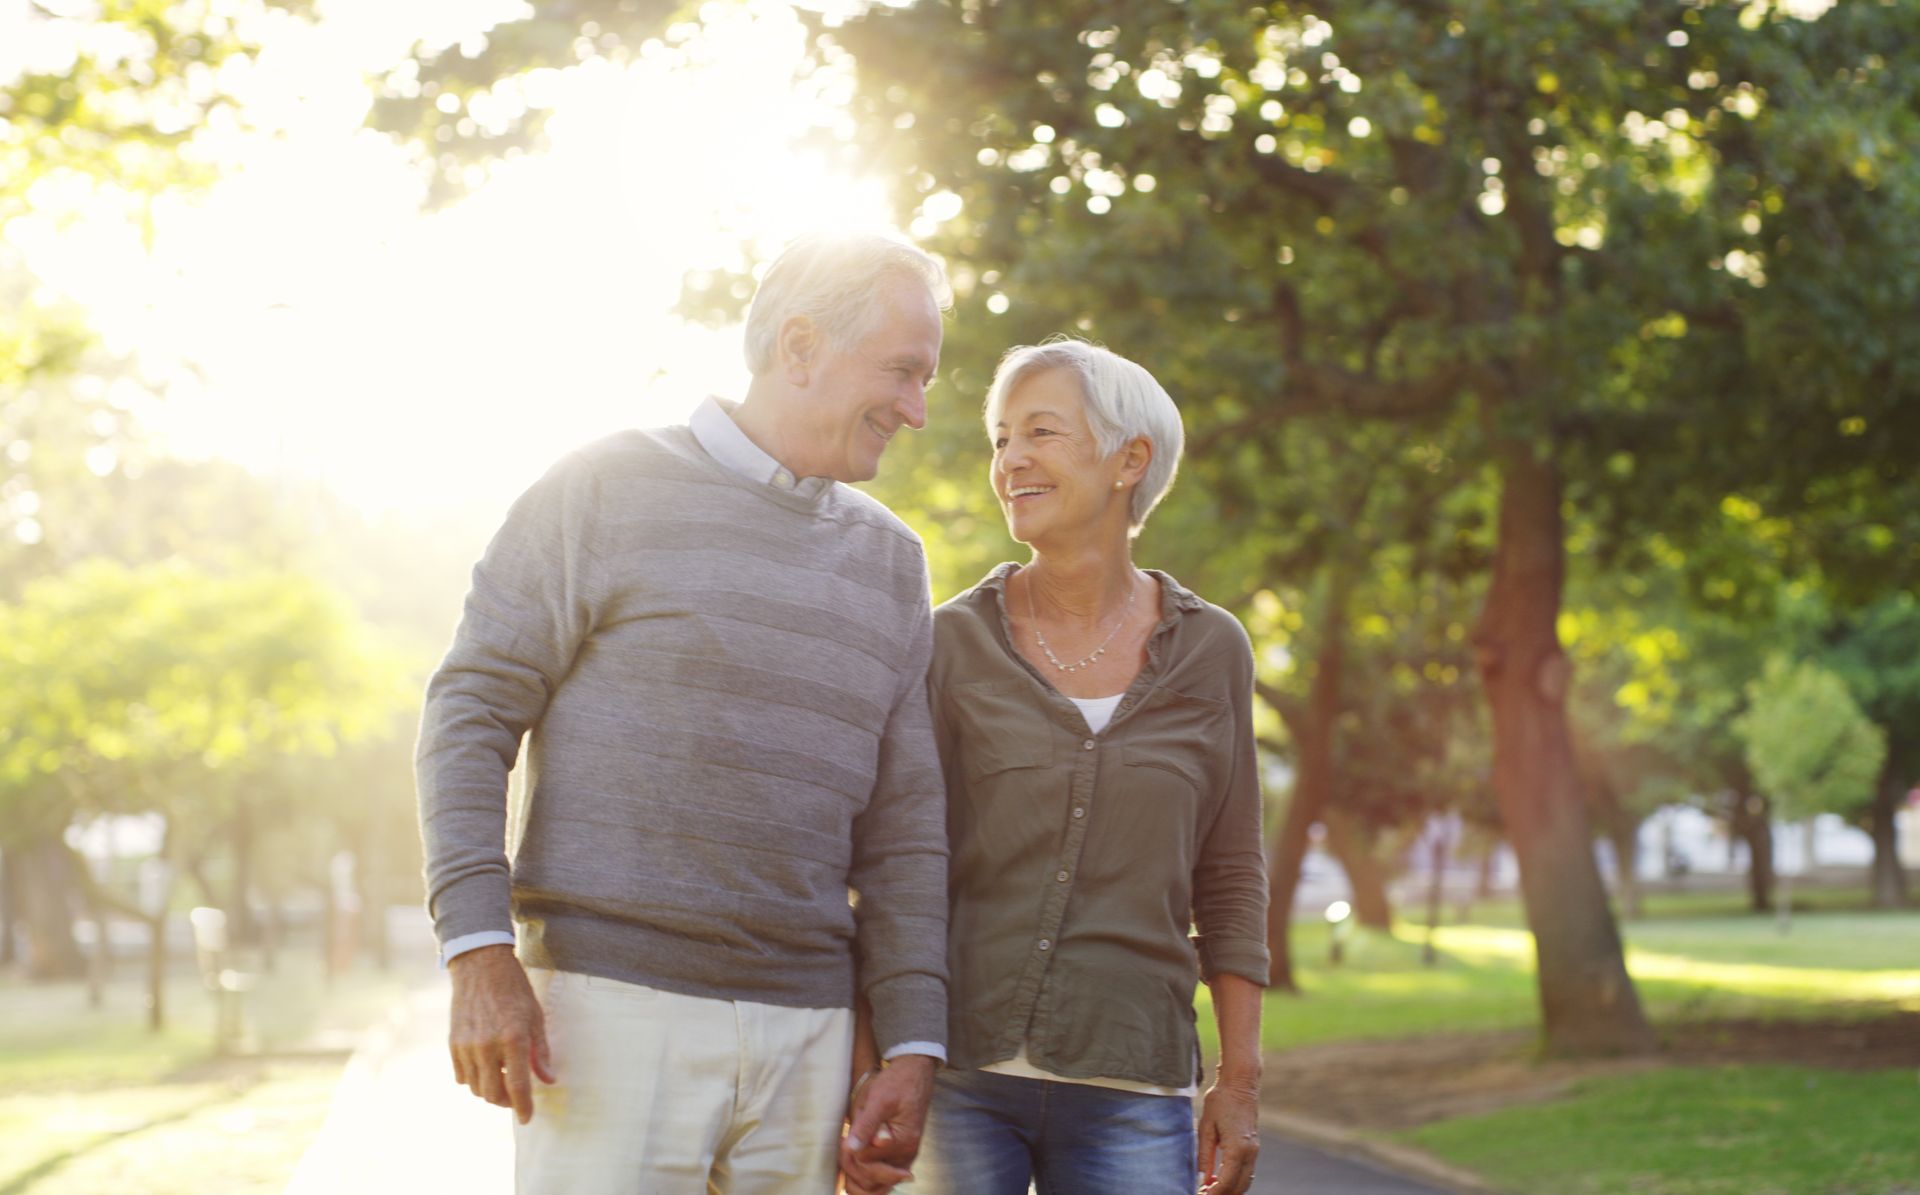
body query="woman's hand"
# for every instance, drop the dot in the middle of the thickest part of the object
(885, 1116)
(1229, 1137)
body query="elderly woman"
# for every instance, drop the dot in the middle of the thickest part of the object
(1094, 725)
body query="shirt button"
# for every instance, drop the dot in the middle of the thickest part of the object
(1078, 812)
(1046, 944)
(1061, 876)
(783, 479)
(1087, 746)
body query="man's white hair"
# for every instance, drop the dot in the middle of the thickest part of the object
(1124, 403)
(836, 280)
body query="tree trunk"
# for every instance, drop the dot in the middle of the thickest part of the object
(1588, 1004)
(9, 906)
(1313, 731)
(157, 936)
(1350, 843)
(1623, 831)
(370, 889)
(1621, 825)
(1749, 821)
(1889, 878)
(103, 899)
(1783, 898)
(45, 885)
(1436, 879)
(157, 971)
(240, 923)
(195, 865)
(101, 958)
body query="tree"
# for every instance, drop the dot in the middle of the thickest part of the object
(112, 99)
(170, 690)
(1808, 744)
(1877, 652)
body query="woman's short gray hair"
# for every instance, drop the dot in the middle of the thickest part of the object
(1124, 403)
(836, 280)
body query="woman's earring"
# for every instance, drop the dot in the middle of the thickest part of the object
(1119, 484)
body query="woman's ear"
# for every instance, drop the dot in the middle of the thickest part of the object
(795, 348)
(1135, 455)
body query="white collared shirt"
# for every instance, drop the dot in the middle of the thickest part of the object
(713, 426)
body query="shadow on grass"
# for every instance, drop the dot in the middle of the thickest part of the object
(25, 1180)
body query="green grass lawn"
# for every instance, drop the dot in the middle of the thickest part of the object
(1726, 1130)
(90, 1101)
(1694, 1130)
(1696, 958)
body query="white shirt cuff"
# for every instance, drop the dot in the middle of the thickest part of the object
(465, 942)
(931, 1049)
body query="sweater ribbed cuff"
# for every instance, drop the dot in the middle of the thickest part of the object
(479, 902)
(908, 1008)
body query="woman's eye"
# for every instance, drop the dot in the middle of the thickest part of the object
(999, 442)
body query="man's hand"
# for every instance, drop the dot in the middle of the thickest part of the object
(884, 1123)
(498, 1032)
(1229, 1137)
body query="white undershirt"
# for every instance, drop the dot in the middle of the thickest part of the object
(1098, 711)
(1021, 1068)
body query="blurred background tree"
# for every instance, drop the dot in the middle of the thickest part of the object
(1808, 744)
(169, 652)
(178, 694)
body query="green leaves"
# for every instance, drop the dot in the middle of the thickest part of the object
(1809, 745)
(120, 682)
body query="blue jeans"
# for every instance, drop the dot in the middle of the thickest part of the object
(991, 1134)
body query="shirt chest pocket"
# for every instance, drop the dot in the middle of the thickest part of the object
(999, 727)
(1183, 737)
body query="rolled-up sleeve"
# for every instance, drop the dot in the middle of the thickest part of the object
(1230, 873)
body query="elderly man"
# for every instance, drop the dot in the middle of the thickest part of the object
(720, 652)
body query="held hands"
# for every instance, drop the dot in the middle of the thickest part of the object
(886, 1113)
(498, 1034)
(1229, 1137)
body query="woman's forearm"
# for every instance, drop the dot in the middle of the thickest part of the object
(1236, 1009)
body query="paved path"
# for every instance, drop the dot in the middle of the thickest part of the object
(1289, 1169)
(399, 1125)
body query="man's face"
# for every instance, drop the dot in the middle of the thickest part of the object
(859, 397)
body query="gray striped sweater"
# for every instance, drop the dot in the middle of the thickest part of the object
(725, 687)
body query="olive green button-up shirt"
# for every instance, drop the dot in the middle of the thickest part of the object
(1096, 877)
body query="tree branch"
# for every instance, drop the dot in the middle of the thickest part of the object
(1290, 709)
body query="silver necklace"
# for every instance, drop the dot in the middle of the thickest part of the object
(1033, 615)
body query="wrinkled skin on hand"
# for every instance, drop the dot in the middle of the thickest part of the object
(498, 1033)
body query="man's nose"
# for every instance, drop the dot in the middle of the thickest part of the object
(912, 407)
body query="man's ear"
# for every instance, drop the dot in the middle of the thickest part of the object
(795, 348)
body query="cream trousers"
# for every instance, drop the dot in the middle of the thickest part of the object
(664, 1094)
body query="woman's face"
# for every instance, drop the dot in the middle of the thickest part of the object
(1047, 468)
